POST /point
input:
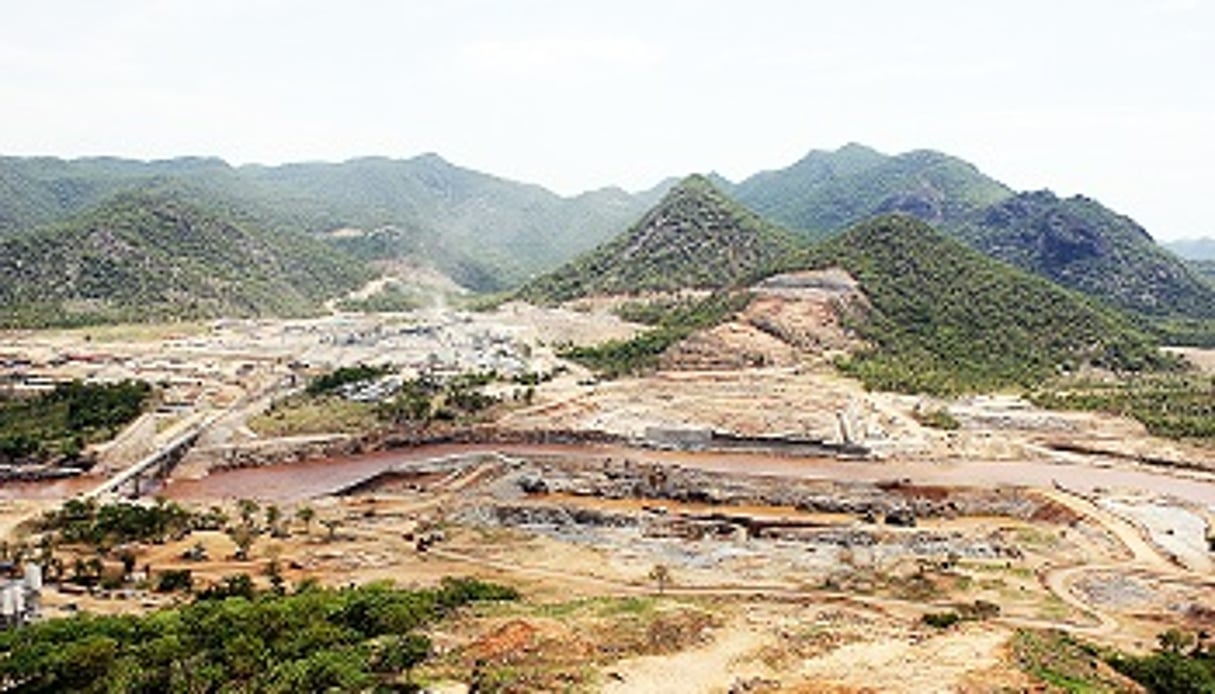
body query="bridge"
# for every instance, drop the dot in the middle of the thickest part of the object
(157, 465)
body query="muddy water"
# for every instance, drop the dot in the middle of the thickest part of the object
(57, 489)
(309, 479)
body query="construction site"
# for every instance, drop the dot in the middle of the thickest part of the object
(763, 525)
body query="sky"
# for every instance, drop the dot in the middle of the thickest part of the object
(1113, 99)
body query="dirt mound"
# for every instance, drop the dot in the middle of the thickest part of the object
(727, 347)
(509, 641)
(808, 309)
(792, 317)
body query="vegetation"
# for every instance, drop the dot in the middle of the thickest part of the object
(1064, 663)
(302, 414)
(616, 358)
(1081, 244)
(1194, 332)
(335, 380)
(651, 312)
(938, 418)
(485, 232)
(963, 612)
(1075, 242)
(695, 238)
(1176, 405)
(109, 525)
(1182, 664)
(160, 255)
(945, 319)
(418, 402)
(59, 423)
(88, 234)
(1205, 269)
(827, 192)
(425, 400)
(316, 639)
(941, 620)
(394, 296)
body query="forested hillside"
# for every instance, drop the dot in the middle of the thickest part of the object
(487, 232)
(826, 192)
(1075, 242)
(1080, 244)
(695, 238)
(947, 319)
(155, 255)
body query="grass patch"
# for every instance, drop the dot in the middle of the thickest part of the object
(938, 418)
(640, 354)
(301, 415)
(1173, 405)
(1064, 663)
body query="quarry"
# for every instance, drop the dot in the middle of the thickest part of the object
(768, 526)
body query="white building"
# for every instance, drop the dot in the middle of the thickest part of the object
(21, 598)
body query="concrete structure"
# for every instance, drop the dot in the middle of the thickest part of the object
(20, 598)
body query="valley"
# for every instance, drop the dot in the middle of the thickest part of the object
(928, 438)
(759, 526)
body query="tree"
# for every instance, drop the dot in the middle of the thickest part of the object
(242, 536)
(127, 557)
(403, 653)
(661, 575)
(1175, 640)
(273, 515)
(331, 524)
(247, 508)
(174, 580)
(306, 514)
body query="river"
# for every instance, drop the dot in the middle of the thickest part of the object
(296, 481)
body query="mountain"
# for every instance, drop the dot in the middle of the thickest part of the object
(157, 255)
(695, 237)
(39, 190)
(1205, 269)
(1193, 249)
(1075, 242)
(945, 318)
(487, 232)
(1081, 244)
(826, 192)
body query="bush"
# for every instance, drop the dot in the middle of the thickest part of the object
(173, 580)
(60, 423)
(318, 639)
(939, 418)
(941, 620)
(346, 375)
(616, 358)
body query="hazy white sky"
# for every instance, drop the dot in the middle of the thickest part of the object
(1113, 98)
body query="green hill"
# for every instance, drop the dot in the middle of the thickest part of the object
(490, 233)
(487, 232)
(696, 237)
(1075, 242)
(158, 255)
(945, 318)
(41, 190)
(826, 192)
(1081, 244)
